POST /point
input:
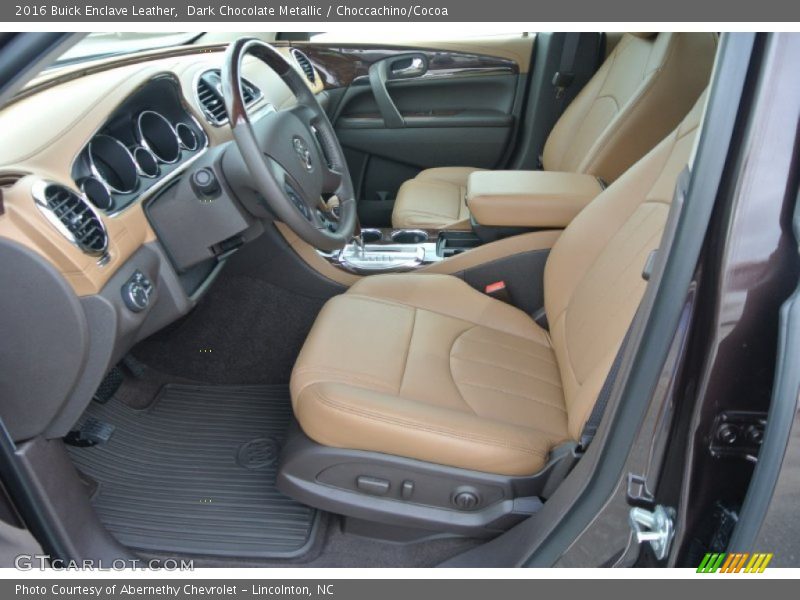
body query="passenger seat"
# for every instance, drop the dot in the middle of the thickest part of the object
(642, 91)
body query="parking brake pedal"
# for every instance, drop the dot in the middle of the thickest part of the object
(91, 433)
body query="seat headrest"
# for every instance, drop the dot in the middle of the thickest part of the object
(644, 36)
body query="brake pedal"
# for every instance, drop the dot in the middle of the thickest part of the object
(92, 433)
(134, 365)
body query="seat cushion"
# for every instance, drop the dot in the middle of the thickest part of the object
(426, 367)
(434, 199)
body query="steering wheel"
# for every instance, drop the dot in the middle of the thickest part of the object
(293, 155)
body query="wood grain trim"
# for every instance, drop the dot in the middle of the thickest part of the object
(341, 64)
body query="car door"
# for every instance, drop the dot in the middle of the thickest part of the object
(398, 109)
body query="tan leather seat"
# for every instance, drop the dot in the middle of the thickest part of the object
(641, 92)
(425, 367)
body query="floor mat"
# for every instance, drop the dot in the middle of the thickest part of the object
(243, 331)
(195, 473)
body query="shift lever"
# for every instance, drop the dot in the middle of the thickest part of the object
(358, 241)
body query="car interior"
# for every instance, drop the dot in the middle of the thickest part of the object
(298, 300)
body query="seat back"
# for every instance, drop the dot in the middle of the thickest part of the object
(593, 277)
(641, 92)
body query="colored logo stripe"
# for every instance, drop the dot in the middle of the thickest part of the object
(735, 562)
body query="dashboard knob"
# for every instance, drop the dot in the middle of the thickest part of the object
(135, 297)
(136, 292)
(205, 183)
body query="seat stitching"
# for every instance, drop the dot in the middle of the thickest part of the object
(508, 369)
(450, 369)
(518, 351)
(414, 425)
(421, 211)
(408, 350)
(348, 376)
(388, 301)
(527, 398)
(419, 217)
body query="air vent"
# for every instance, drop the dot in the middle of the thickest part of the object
(73, 216)
(305, 64)
(9, 178)
(209, 96)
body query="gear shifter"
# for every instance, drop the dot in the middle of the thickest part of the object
(358, 242)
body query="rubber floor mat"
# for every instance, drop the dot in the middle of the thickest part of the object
(195, 473)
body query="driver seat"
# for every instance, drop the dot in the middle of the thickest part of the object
(426, 368)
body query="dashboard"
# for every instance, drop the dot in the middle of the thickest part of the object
(151, 135)
(101, 220)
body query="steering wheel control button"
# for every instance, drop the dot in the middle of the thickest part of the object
(466, 498)
(372, 485)
(205, 183)
(136, 292)
(297, 201)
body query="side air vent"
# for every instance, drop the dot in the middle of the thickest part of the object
(73, 216)
(9, 178)
(305, 64)
(209, 96)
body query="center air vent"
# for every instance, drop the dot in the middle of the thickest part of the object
(209, 95)
(73, 216)
(305, 64)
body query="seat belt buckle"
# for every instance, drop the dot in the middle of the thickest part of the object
(561, 81)
(499, 291)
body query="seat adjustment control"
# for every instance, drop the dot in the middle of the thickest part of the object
(407, 489)
(372, 485)
(466, 498)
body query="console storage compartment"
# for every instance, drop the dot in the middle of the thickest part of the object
(450, 243)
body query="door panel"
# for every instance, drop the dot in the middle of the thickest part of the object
(398, 110)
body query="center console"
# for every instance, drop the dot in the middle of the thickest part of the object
(536, 199)
(502, 204)
(396, 250)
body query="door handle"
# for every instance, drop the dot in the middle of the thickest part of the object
(415, 68)
(403, 66)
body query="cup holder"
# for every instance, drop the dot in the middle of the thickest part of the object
(409, 236)
(371, 236)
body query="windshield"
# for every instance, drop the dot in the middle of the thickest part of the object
(99, 45)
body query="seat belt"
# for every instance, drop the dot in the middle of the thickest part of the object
(566, 69)
(564, 77)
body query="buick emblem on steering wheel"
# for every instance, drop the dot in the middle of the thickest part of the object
(303, 152)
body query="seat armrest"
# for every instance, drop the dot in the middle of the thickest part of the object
(529, 198)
